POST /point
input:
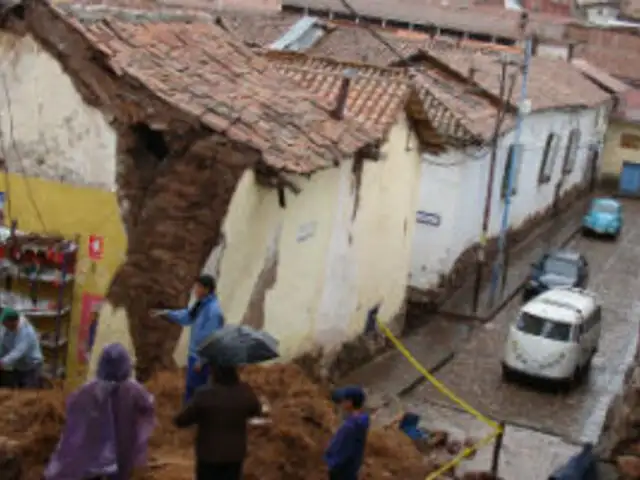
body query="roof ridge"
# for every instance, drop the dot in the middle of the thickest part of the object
(278, 54)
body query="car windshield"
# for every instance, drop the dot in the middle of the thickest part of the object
(560, 267)
(605, 207)
(544, 328)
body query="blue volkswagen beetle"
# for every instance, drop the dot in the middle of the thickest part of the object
(604, 218)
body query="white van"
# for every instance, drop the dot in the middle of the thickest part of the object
(555, 336)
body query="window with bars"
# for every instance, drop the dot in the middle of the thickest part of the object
(630, 141)
(513, 161)
(571, 151)
(549, 155)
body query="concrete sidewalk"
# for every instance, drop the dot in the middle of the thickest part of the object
(391, 375)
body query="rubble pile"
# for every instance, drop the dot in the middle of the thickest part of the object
(620, 440)
(289, 448)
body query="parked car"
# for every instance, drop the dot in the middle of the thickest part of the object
(603, 218)
(558, 268)
(555, 337)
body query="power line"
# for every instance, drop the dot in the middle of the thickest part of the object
(19, 156)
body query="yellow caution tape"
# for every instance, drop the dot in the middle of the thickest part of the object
(463, 454)
(434, 381)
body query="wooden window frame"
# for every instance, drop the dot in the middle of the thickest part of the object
(549, 156)
(571, 151)
(518, 165)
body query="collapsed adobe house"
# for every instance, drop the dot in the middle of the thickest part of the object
(192, 109)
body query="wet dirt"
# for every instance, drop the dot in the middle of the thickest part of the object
(291, 448)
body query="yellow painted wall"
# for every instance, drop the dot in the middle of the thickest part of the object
(613, 154)
(70, 210)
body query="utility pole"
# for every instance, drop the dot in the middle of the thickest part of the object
(481, 256)
(499, 272)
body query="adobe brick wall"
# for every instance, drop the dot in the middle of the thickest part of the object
(174, 186)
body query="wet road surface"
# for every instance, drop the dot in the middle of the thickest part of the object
(553, 421)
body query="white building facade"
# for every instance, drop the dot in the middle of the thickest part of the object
(557, 147)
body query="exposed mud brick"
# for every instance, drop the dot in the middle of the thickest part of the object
(178, 224)
(629, 467)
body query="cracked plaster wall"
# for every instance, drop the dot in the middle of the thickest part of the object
(309, 273)
(47, 130)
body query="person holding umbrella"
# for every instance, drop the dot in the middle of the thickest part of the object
(204, 317)
(220, 411)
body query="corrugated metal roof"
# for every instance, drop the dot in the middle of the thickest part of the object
(300, 36)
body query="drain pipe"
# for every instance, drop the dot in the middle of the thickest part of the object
(499, 272)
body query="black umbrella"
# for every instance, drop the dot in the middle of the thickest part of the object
(238, 345)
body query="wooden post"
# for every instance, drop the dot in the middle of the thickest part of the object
(497, 447)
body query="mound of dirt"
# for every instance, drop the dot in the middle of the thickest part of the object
(290, 448)
(31, 421)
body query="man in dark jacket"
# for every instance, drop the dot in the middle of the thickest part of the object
(220, 411)
(345, 453)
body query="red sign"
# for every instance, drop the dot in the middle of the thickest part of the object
(96, 247)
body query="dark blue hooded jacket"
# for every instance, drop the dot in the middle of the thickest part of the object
(345, 453)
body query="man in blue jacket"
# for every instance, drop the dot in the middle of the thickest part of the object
(20, 353)
(204, 318)
(345, 453)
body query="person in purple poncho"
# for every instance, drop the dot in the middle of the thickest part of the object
(109, 423)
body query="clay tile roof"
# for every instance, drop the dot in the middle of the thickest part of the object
(258, 29)
(376, 95)
(200, 69)
(599, 76)
(552, 83)
(469, 18)
(352, 43)
(620, 63)
(472, 109)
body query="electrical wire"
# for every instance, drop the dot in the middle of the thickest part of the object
(23, 169)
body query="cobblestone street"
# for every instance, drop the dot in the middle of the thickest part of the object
(543, 427)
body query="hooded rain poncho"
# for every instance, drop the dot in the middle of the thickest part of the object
(109, 423)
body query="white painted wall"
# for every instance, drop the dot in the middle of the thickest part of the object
(453, 185)
(47, 130)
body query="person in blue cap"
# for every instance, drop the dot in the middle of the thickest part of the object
(20, 352)
(204, 318)
(345, 453)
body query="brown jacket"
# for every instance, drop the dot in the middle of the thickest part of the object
(220, 412)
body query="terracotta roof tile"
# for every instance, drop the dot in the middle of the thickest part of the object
(624, 64)
(198, 68)
(552, 83)
(474, 110)
(259, 29)
(473, 19)
(376, 95)
(600, 76)
(356, 44)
